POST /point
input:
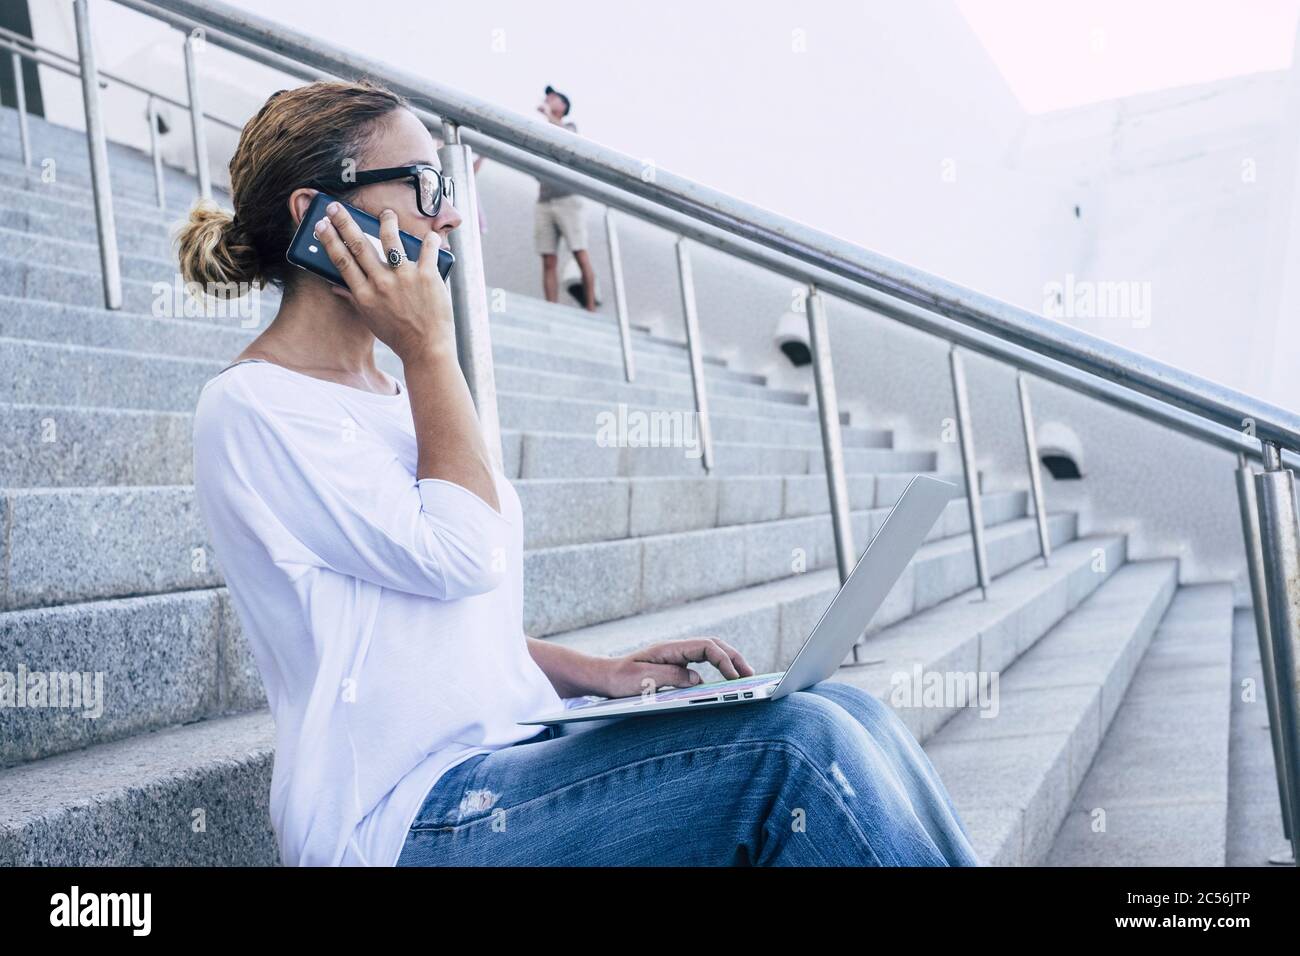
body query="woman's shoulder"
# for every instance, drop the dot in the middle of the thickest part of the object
(230, 390)
(244, 396)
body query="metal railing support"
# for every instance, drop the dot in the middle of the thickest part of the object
(1249, 506)
(20, 98)
(967, 441)
(98, 147)
(155, 151)
(828, 414)
(1279, 533)
(1035, 468)
(695, 350)
(620, 296)
(469, 290)
(196, 118)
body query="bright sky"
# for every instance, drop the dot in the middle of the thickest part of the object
(1056, 54)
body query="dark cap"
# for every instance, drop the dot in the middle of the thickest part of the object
(567, 106)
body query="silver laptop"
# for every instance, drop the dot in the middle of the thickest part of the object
(830, 642)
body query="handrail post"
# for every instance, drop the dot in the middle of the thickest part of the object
(1035, 472)
(155, 151)
(695, 350)
(469, 290)
(98, 147)
(196, 118)
(1279, 533)
(20, 98)
(967, 442)
(620, 296)
(1249, 507)
(828, 415)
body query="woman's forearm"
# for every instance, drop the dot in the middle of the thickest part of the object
(572, 673)
(446, 425)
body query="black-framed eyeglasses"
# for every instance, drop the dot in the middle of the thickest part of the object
(429, 183)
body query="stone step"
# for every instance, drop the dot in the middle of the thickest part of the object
(70, 145)
(512, 344)
(603, 358)
(1157, 791)
(149, 282)
(1255, 831)
(66, 545)
(43, 216)
(67, 810)
(130, 171)
(1012, 776)
(574, 586)
(82, 253)
(133, 196)
(567, 511)
(141, 663)
(27, 274)
(166, 333)
(44, 446)
(148, 237)
(180, 655)
(70, 283)
(563, 455)
(769, 622)
(59, 374)
(521, 411)
(605, 321)
(592, 336)
(134, 802)
(968, 635)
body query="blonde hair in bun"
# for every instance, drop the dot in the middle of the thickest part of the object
(212, 250)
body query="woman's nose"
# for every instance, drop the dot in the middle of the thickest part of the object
(448, 217)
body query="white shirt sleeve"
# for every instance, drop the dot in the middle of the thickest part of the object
(344, 496)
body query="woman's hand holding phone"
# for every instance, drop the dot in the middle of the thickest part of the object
(408, 308)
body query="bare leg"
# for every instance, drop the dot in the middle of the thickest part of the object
(550, 284)
(588, 277)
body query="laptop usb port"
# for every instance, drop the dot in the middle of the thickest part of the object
(731, 697)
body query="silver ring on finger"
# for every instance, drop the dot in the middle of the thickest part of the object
(396, 258)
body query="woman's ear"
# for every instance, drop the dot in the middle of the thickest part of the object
(299, 200)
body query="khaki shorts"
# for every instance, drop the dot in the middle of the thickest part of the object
(556, 218)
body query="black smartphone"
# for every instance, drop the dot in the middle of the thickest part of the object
(307, 252)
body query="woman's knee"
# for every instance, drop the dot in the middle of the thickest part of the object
(811, 723)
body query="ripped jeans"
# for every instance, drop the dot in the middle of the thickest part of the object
(824, 777)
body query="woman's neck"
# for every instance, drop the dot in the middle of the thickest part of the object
(317, 332)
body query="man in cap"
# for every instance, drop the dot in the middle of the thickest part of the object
(560, 214)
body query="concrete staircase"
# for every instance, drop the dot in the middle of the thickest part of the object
(105, 568)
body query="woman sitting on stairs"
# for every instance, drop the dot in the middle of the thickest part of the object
(375, 558)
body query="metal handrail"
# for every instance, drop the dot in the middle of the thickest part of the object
(1088, 353)
(1234, 440)
(16, 43)
(42, 59)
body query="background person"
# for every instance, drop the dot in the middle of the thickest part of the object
(560, 214)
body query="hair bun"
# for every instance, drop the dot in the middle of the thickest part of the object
(213, 248)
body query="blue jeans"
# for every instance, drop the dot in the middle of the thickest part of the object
(825, 777)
